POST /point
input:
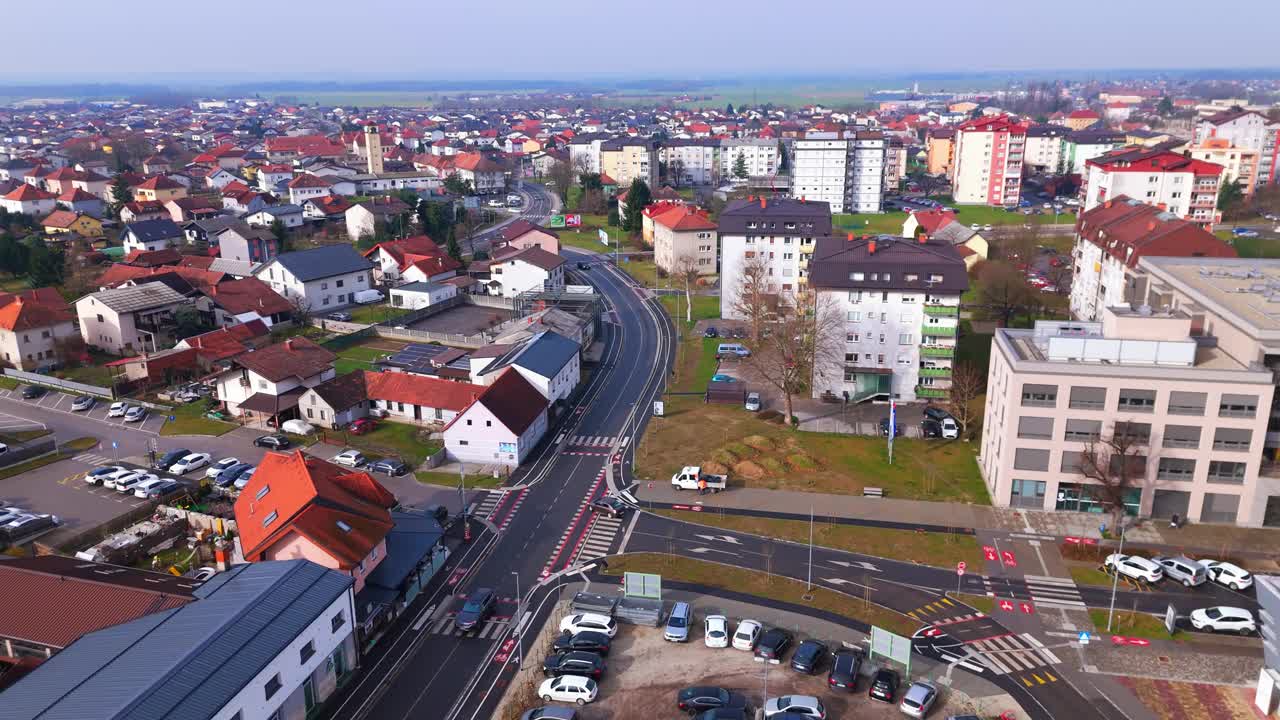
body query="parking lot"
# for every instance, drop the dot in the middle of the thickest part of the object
(463, 320)
(56, 401)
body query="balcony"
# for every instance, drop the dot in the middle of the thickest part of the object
(939, 330)
(942, 310)
(935, 372)
(931, 392)
(937, 351)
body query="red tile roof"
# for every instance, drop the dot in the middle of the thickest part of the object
(249, 295)
(1141, 160)
(29, 193)
(60, 219)
(683, 218)
(226, 342)
(1128, 230)
(159, 182)
(295, 357)
(19, 314)
(420, 390)
(308, 180)
(933, 219)
(153, 258)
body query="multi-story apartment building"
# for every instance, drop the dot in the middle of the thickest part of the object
(940, 150)
(1246, 130)
(1084, 145)
(1046, 149)
(988, 161)
(760, 155)
(898, 304)
(780, 233)
(895, 164)
(584, 153)
(697, 160)
(626, 159)
(1059, 394)
(843, 169)
(1113, 237)
(1185, 187)
(1239, 165)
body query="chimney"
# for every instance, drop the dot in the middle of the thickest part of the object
(763, 203)
(924, 238)
(289, 343)
(871, 248)
(1107, 204)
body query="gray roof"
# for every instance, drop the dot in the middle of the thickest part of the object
(420, 286)
(835, 260)
(139, 297)
(322, 262)
(187, 662)
(150, 230)
(545, 355)
(408, 542)
(239, 268)
(812, 218)
(285, 209)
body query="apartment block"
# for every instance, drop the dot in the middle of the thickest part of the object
(760, 155)
(1046, 149)
(1084, 145)
(898, 301)
(939, 146)
(1183, 186)
(1247, 131)
(988, 162)
(696, 160)
(1112, 238)
(843, 169)
(626, 159)
(1198, 416)
(780, 233)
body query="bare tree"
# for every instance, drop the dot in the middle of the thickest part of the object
(800, 347)
(581, 166)
(967, 383)
(685, 270)
(755, 300)
(675, 172)
(561, 175)
(1117, 464)
(1019, 245)
(299, 309)
(1002, 290)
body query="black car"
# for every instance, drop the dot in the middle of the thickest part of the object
(474, 611)
(171, 457)
(589, 640)
(936, 414)
(228, 477)
(584, 266)
(808, 657)
(738, 333)
(723, 714)
(575, 662)
(31, 392)
(931, 429)
(773, 644)
(884, 685)
(611, 506)
(844, 670)
(711, 332)
(697, 699)
(389, 466)
(275, 442)
(884, 428)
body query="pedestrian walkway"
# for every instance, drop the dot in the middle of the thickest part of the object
(490, 630)
(599, 540)
(602, 441)
(92, 459)
(1005, 654)
(1054, 592)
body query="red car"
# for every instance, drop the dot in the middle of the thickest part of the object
(361, 426)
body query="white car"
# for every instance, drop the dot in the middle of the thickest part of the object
(118, 409)
(806, 706)
(216, 469)
(298, 427)
(569, 688)
(716, 631)
(194, 461)
(349, 458)
(1228, 574)
(141, 489)
(97, 475)
(950, 428)
(745, 637)
(111, 482)
(134, 414)
(1224, 619)
(1132, 566)
(128, 483)
(589, 621)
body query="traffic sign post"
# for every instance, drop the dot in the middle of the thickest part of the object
(960, 567)
(1084, 638)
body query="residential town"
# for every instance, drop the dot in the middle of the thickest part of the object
(443, 408)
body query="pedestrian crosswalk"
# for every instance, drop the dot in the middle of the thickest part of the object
(1004, 654)
(1054, 592)
(591, 440)
(490, 630)
(599, 540)
(92, 458)
(487, 503)
(499, 506)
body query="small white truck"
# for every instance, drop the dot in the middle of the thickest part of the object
(687, 479)
(364, 297)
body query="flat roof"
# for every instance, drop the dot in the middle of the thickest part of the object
(1243, 291)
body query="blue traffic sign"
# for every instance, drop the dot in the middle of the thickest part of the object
(114, 445)
(1085, 638)
(172, 418)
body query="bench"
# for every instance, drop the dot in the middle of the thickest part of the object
(873, 492)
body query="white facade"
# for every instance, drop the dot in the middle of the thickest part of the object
(987, 166)
(585, 156)
(299, 195)
(865, 186)
(30, 348)
(761, 156)
(40, 207)
(845, 170)
(1181, 193)
(1098, 282)
(699, 160)
(335, 291)
(235, 386)
(1045, 152)
(782, 256)
(554, 388)
(415, 297)
(515, 276)
(478, 436)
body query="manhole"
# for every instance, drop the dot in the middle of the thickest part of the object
(1162, 658)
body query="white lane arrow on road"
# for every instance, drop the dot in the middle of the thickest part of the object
(863, 565)
(705, 550)
(721, 538)
(838, 581)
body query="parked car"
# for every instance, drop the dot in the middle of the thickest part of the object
(732, 350)
(809, 656)
(1244, 232)
(806, 706)
(588, 640)
(844, 670)
(360, 426)
(135, 414)
(476, 609)
(389, 466)
(930, 429)
(705, 697)
(884, 685)
(98, 474)
(884, 428)
(214, 470)
(722, 714)
(918, 699)
(118, 409)
(140, 490)
(128, 483)
(160, 489)
(592, 622)
(26, 524)
(31, 392)
(298, 427)
(772, 645)
(1228, 574)
(1224, 619)
(350, 458)
(950, 429)
(569, 688)
(339, 316)
(574, 662)
(1182, 569)
(715, 631)
(243, 478)
(584, 266)
(677, 629)
(745, 637)
(194, 461)
(753, 402)
(1134, 567)
(171, 457)
(711, 332)
(550, 712)
(228, 477)
(110, 482)
(84, 402)
(611, 506)
(273, 442)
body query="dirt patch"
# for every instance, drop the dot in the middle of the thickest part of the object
(801, 461)
(715, 468)
(749, 470)
(758, 442)
(773, 465)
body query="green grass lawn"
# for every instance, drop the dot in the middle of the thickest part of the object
(96, 375)
(190, 420)
(695, 363)
(973, 348)
(1132, 624)
(360, 357)
(402, 440)
(705, 307)
(371, 314)
(644, 271)
(891, 222)
(1246, 247)
(448, 479)
(1085, 575)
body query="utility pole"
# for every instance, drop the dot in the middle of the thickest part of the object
(519, 633)
(809, 580)
(1115, 580)
(462, 500)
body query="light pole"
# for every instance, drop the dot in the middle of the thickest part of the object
(1115, 570)
(462, 500)
(519, 634)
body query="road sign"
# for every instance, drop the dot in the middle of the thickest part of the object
(573, 220)
(894, 647)
(657, 408)
(1084, 638)
(604, 236)
(960, 566)
(1008, 558)
(989, 552)
(1171, 618)
(642, 585)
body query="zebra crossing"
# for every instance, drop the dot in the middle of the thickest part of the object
(600, 537)
(1054, 592)
(499, 507)
(92, 459)
(1005, 654)
(491, 630)
(591, 440)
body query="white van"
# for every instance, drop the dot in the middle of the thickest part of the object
(732, 350)
(364, 297)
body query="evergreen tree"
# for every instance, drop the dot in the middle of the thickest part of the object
(784, 164)
(740, 167)
(281, 234)
(13, 256)
(728, 109)
(1165, 106)
(45, 266)
(120, 195)
(638, 198)
(1230, 195)
(452, 248)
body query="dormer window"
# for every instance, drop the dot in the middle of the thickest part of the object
(263, 492)
(266, 521)
(344, 526)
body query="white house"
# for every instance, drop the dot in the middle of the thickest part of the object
(29, 200)
(531, 269)
(417, 295)
(130, 318)
(289, 214)
(151, 235)
(271, 177)
(548, 360)
(305, 187)
(419, 399)
(267, 382)
(322, 278)
(502, 426)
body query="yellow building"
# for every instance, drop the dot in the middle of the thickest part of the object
(1241, 163)
(61, 222)
(939, 147)
(629, 158)
(159, 188)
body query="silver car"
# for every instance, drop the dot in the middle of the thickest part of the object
(918, 699)
(1183, 569)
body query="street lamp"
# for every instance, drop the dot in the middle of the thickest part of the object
(519, 634)
(1115, 570)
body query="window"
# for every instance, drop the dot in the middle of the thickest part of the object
(1235, 439)
(1039, 395)
(270, 518)
(857, 277)
(1181, 436)
(879, 359)
(488, 423)
(305, 653)
(1133, 431)
(1221, 471)
(1176, 469)
(851, 337)
(1071, 461)
(1030, 459)
(340, 283)
(908, 299)
(905, 338)
(324, 286)
(1083, 430)
(1137, 400)
(1035, 428)
(1088, 398)
(336, 623)
(1027, 493)
(855, 316)
(272, 686)
(263, 492)
(1186, 403)
(1219, 507)
(881, 338)
(1240, 406)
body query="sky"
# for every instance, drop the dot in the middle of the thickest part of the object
(156, 41)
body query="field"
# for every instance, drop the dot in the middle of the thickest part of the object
(1258, 247)
(394, 439)
(189, 419)
(361, 356)
(372, 314)
(705, 307)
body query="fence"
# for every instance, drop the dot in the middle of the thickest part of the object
(50, 381)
